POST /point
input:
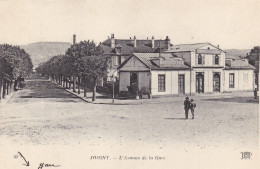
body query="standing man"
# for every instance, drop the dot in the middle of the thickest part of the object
(186, 107)
(192, 107)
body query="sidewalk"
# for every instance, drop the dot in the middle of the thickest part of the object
(7, 98)
(105, 99)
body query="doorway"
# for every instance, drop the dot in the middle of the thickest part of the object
(199, 82)
(133, 79)
(181, 84)
(216, 82)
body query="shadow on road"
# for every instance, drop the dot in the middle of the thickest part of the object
(175, 118)
(234, 99)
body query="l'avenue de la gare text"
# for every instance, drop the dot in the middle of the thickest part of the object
(128, 158)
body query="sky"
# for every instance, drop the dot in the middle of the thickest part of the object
(228, 23)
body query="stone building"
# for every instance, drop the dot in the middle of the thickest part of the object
(121, 49)
(186, 69)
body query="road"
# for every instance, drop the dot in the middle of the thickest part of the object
(43, 114)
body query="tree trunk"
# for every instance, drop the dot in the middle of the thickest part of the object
(56, 79)
(1, 84)
(74, 84)
(60, 81)
(7, 88)
(66, 81)
(85, 88)
(94, 90)
(4, 88)
(70, 82)
(78, 85)
(11, 84)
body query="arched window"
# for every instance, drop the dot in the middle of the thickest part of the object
(216, 60)
(199, 59)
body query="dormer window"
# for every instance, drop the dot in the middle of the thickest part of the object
(216, 60)
(199, 59)
(208, 48)
(118, 49)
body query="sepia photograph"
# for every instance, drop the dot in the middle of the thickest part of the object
(129, 84)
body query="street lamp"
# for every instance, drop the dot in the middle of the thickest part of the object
(113, 82)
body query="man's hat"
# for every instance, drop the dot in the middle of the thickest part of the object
(187, 98)
(191, 100)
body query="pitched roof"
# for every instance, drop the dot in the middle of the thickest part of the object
(189, 47)
(142, 46)
(149, 59)
(238, 64)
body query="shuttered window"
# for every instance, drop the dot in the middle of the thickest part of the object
(161, 83)
(199, 59)
(216, 60)
(231, 80)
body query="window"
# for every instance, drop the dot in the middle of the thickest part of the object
(216, 60)
(199, 59)
(161, 83)
(231, 80)
(115, 60)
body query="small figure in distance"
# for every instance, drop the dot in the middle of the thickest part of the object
(255, 93)
(192, 107)
(186, 106)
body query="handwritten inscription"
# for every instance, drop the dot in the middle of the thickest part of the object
(41, 165)
(25, 161)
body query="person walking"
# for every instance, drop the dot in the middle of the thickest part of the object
(186, 106)
(192, 107)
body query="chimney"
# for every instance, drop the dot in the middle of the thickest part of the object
(218, 46)
(168, 43)
(152, 41)
(74, 39)
(134, 41)
(113, 41)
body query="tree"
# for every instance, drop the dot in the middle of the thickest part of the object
(88, 63)
(14, 63)
(84, 60)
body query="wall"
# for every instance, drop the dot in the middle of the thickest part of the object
(144, 80)
(134, 64)
(244, 80)
(208, 57)
(171, 81)
(208, 79)
(124, 81)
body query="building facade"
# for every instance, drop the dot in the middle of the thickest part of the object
(187, 69)
(253, 58)
(159, 73)
(121, 49)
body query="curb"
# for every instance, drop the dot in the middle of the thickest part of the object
(8, 97)
(71, 92)
(76, 95)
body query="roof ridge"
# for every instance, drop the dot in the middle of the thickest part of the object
(193, 43)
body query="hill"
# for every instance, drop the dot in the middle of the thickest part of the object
(236, 53)
(43, 51)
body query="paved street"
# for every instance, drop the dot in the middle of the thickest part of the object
(43, 114)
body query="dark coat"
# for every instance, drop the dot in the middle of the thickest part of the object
(192, 106)
(186, 104)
